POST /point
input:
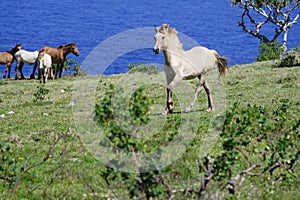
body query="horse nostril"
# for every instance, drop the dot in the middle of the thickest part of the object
(156, 51)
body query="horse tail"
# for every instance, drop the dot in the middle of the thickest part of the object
(222, 63)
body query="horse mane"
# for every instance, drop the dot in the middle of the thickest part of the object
(166, 29)
(14, 49)
(71, 44)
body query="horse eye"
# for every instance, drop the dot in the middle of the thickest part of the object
(163, 37)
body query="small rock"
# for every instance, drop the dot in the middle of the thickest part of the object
(72, 103)
(62, 90)
(11, 113)
(2, 116)
(45, 114)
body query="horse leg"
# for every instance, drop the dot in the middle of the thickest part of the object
(6, 69)
(33, 70)
(198, 90)
(170, 104)
(40, 77)
(21, 70)
(46, 75)
(56, 70)
(16, 72)
(209, 96)
(8, 66)
(61, 70)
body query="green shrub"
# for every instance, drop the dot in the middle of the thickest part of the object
(74, 67)
(118, 127)
(290, 58)
(41, 93)
(256, 145)
(2, 81)
(8, 165)
(150, 69)
(289, 61)
(269, 51)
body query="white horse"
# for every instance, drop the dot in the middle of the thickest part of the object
(44, 63)
(22, 57)
(184, 65)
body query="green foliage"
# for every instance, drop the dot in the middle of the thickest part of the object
(109, 113)
(289, 61)
(41, 93)
(290, 58)
(150, 69)
(269, 51)
(139, 106)
(73, 66)
(2, 81)
(8, 165)
(255, 143)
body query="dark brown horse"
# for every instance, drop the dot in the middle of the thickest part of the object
(7, 58)
(58, 56)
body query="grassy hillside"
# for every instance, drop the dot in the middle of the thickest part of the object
(42, 155)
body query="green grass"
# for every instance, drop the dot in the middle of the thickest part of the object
(71, 171)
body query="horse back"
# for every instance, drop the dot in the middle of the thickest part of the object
(5, 57)
(55, 53)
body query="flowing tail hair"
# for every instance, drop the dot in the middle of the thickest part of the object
(222, 63)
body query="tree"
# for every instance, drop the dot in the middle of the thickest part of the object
(257, 13)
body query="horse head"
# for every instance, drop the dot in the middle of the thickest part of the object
(14, 50)
(74, 49)
(40, 59)
(162, 37)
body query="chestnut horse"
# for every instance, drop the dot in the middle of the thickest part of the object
(58, 56)
(8, 58)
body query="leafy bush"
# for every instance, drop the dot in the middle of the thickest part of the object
(150, 69)
(8, 165)
(41, 93)
(2, 82)
(256, 145)
(109, 113)
(269, 51)
(73, 66)
(290, 58)
(289, 61)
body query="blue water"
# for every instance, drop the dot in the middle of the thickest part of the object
(212, 23)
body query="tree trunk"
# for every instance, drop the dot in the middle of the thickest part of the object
(285, 34)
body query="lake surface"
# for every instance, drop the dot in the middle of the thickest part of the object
(211, 23)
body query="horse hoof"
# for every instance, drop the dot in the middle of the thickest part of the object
(210, 109)
(187, 110)
(164, 113)
(167, 112)
(32, 77)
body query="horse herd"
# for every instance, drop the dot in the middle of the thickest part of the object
(43, 59)
(179, 64)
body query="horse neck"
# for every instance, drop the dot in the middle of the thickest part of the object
(174, 50)
(66, 50)
(12, 51)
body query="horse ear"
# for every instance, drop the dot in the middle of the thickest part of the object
(156, 29)
(165, 26)
(174, 30)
